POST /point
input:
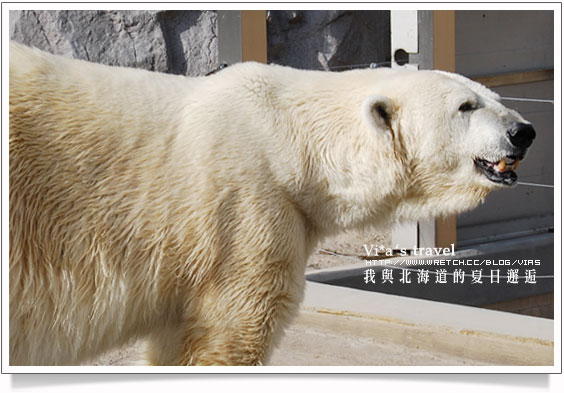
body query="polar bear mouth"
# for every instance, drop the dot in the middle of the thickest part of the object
(502, 171)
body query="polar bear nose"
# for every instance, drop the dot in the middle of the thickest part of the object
(522, 135)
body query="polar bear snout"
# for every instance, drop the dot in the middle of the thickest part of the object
(522, 135)
(502, 171)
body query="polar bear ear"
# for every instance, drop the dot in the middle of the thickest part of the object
(378, 111)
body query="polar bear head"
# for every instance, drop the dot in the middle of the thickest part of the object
(455, 139)
(371, 147)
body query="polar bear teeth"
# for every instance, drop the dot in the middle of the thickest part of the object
(500, 167)
(501, 171)
(505, 164)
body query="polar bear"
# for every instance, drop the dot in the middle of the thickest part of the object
(183, 210)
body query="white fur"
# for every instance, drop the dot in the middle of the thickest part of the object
(184, 210)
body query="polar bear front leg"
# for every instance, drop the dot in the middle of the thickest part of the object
(235, 323)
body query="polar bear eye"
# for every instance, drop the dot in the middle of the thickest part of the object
(466, 107)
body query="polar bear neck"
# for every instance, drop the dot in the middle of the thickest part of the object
(316, 145)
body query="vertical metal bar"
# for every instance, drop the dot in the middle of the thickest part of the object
(229, 37)
(424, 56)
(435, 36)
(405, 36)
(405, 236)
(427, 233)
(425, 60)
(444, 59)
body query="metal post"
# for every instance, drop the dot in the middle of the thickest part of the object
(444, 59)
(241, 36)
(427, 38)
(229, 37)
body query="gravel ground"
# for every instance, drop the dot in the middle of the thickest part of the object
(348, 243)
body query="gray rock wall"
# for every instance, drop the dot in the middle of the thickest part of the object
(343, 37)
(178, 42)
(185, 42)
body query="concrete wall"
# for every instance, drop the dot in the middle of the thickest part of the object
(490, 42)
